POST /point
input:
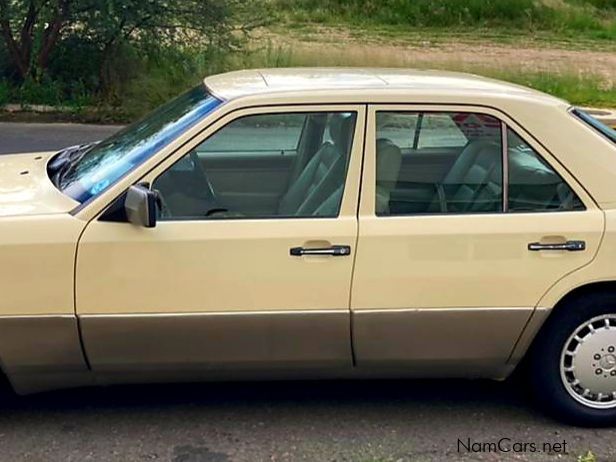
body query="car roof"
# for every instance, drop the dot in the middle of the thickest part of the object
(306, 80)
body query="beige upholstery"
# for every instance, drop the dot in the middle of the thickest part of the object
(324, 173)
(388, 161)
(474, 183)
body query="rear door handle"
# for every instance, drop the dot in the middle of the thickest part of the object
(571, 246)
(334, 251)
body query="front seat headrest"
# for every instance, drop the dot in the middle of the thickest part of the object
(388, 160)
(340, 130)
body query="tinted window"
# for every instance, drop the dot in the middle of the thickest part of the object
(276, 133)
(399, 128)
(453, 164)
(533, 185)
(263, 166)
(440, 130)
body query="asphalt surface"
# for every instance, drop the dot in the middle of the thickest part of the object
(364, 421)
(20, 137)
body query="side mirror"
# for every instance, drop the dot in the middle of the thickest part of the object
(140, 206)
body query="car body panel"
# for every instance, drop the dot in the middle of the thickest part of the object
(26, 188)
(42, 352)
(467, 294)
(39, 336)
(212, 343)
(602, 269)
(38, 257)
(224, 299)
(244, 83)
(221, 272)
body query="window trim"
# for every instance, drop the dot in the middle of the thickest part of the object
(506, 123)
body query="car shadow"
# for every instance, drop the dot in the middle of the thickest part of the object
(436, 393)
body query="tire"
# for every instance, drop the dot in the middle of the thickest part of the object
(558, 360)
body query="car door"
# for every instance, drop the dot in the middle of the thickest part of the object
(449, 272)
(249, 279)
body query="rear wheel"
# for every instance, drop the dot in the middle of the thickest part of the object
(573, 363)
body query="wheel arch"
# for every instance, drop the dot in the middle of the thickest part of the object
(542, 316)
(583, 290)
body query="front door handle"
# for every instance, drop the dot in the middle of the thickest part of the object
(334, 251)
(571, 246)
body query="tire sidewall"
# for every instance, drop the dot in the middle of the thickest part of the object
(546, 377)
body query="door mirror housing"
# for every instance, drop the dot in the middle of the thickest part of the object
(140, 206)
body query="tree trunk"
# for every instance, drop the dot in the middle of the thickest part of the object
(104, 78)
(52, 33)
(18, 52)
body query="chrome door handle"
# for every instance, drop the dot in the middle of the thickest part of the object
(334, 251)
(571, 246)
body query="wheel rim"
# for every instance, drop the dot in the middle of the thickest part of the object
(588, 363)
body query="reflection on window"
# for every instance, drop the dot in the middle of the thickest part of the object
(108, 161)
(283, 133)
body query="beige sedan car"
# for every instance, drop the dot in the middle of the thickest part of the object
(321, 223)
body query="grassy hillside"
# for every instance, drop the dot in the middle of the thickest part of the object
(590, 18)
(488, 37)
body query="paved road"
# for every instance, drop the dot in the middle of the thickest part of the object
(19, 137)
(363, 421)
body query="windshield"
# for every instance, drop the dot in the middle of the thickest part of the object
(106, 162)
(603, 129)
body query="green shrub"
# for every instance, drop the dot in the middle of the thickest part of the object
(47, 92)
(5, 92)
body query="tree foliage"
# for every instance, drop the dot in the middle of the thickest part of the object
(32, 30)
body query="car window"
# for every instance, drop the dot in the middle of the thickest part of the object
(104, 163)
(263, 166)
(533, 185)
(398, 128)
(278, 134)
(457, 168)
(441, 130)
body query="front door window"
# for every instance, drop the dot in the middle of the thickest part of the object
(290, 165)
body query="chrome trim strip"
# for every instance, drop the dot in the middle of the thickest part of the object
(36, 316)
(440, 309)
(211, 313)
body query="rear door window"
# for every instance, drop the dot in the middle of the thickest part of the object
(452, 163)
(437, 163)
